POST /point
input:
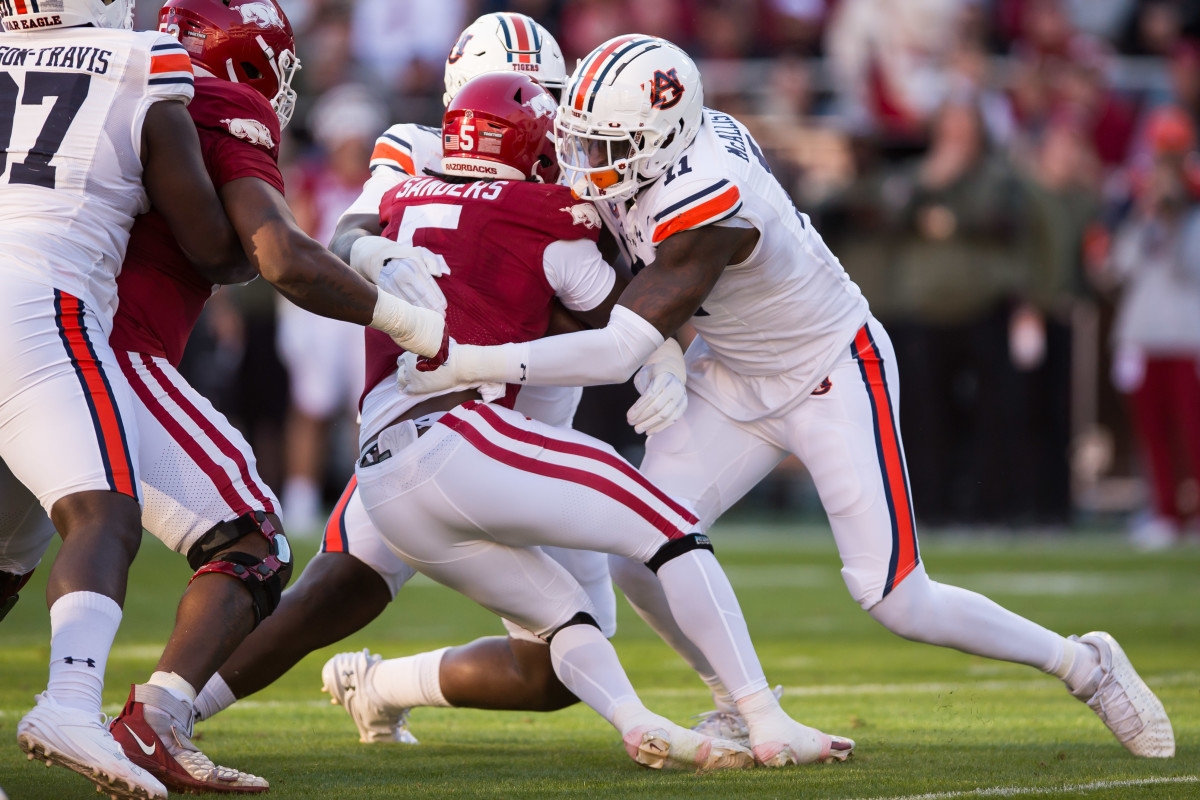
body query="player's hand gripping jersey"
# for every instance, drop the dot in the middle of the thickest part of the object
(511, 248)
(781, 318)
(161, 295)
(72, 104)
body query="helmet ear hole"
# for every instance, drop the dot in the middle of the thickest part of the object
(252, 72)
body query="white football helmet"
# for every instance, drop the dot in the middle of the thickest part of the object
(504, 42)
(630, 108)
(30, 15)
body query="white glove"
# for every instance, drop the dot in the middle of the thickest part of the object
(465, 365)
(662, 381)
(418, 330)
(405, 271)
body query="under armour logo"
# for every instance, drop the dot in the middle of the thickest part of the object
(347, 683)
(91, 662)
(523, 373)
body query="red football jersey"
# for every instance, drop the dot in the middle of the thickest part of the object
(159, 295)
(493, 235)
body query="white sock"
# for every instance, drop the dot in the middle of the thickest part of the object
(82, 628)
(410, 681)
(177, 686)
(721, 698)
(936, 613)
(215, 697)
(1078, 665)
(587, 664)
(707, 611)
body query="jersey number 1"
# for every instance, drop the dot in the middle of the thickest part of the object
(69, 90)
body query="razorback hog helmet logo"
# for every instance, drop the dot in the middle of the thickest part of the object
(460, 48)
(666, 91)
(264, 15)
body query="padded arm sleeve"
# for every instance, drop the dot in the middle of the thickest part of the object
(586, 358)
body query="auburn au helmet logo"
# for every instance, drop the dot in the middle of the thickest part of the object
(666, 91)
(460, 48)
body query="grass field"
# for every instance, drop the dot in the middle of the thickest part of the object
(929, 723)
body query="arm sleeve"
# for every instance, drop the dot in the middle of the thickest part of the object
(608, 355)
(580, 276)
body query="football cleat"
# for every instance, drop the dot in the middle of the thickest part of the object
(799, 744)
(727, 724)
(1124, 702)
(155, 729)
(345, 679)
(77, 740)
(666, 745)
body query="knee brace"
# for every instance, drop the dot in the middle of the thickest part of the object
(582, 618)
(677, 547)
(10, 584)
(263, 577)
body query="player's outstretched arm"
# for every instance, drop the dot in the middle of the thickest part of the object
(314, 278)
(659, 299)
(179, 187)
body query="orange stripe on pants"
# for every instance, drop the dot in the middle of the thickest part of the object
(904, 538)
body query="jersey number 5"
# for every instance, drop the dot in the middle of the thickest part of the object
(69, 90)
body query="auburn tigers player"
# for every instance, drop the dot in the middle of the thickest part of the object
(100, 129)
(788, 360)
(438, 474)
(355, 576)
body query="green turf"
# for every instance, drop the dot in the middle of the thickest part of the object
(929, 722)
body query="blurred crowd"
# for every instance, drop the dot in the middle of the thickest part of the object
(1013, 183)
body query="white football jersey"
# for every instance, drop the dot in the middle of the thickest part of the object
(403, 151)
(72, 103)
(773, 325)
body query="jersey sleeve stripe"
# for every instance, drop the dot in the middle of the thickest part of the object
(718, 208)
(384, 155)
(177, 78)
(170, 62)
(176, 46)
(692, 199)
(393, 137)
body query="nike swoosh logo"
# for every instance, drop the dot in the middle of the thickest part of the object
(147, 750)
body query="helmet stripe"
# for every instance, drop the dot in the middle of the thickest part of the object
(21, 7)
(586, 80)
(619, 58)
(520, 28)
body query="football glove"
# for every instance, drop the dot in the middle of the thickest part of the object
(405, 271)
(662, 383)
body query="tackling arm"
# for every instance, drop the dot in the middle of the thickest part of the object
(660, 298)
(314, 278)
(179, 187)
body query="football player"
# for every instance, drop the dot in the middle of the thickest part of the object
(93, 127)
(203, 496)
(788, 359)
(354, 577)
(466, 490)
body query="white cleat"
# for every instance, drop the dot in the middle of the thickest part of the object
(79, 741)
(727, 724)
(672, 746)
(344, 679)
(801, 744)
(1124, 702)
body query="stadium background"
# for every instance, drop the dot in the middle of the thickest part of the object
(968, 160)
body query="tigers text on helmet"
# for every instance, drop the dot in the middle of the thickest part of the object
(35, 15)
(504, 42)
(243, 41)
(630, 108)
(500, 126)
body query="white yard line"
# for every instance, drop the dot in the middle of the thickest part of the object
(1019, 791)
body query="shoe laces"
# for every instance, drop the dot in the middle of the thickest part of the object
(1111, 702)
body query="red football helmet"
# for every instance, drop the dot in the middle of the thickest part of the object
(500, 126)
(245, 41)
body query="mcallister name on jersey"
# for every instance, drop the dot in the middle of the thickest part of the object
(432, 187)
(727, 130)
(89, 59)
